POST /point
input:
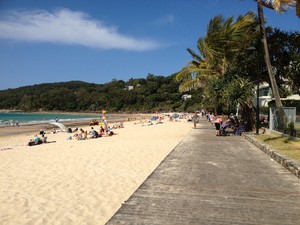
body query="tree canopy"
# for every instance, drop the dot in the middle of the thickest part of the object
(155, 93)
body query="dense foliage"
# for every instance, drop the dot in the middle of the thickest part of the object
(155, 93)
(230, 62)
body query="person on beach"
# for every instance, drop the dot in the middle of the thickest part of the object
(82, 135)
(35, 141)
(109, 134)
(101, 131)
(79, 135)
(44, 138)
(93, 133)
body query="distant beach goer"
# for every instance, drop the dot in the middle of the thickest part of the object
(44, 138)
(93, 133)
(35, 141)
(82, 135)
(195, 119)
(56, 119)
(101, 131)
(109, 134)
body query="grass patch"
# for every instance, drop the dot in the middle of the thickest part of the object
(297, 127)
(284, 145)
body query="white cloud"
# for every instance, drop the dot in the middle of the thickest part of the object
(167, 19)
(68, 27)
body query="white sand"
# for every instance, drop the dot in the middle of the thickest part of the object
(79, 182)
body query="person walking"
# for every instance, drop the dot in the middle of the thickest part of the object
(195, 119)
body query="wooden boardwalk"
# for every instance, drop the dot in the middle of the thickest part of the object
(214, 180)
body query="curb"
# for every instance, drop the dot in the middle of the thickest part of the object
(291, 165)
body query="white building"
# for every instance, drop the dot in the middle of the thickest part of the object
(265, 95)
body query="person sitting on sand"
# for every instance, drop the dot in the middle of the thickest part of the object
(93, 133)
(101, 131)
(82, 135)
(118, 125)
(35, 141)
(44, 138)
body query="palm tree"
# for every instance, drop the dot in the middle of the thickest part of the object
(224, 40)
(278, 5)
(239, 91)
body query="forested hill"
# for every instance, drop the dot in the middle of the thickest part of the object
(155, 93)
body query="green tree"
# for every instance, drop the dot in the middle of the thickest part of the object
(278, 5)
(219, 49)
(239, 91)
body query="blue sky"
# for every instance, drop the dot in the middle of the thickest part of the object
(45, 41)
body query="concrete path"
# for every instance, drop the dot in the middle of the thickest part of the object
(214, 180)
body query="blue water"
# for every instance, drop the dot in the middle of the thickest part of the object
(10, 118)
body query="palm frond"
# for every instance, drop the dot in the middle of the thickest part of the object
(281, 5)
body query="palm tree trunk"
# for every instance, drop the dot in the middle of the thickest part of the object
(279, 107)
(298, 8)
(248, 115)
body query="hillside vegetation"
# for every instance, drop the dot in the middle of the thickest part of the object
(155, 93)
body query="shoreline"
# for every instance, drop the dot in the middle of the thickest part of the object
(6, 131)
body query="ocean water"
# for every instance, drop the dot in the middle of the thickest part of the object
(11, 118)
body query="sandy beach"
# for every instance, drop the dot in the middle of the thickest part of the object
(79, 182)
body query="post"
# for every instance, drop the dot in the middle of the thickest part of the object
(257, 86)
(259, 64)
(257, 104)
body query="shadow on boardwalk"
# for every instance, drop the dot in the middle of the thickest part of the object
(214, 180)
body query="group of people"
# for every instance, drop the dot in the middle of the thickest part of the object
(220, 123)
(79, 135)
(231, 122)
(84, 134)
